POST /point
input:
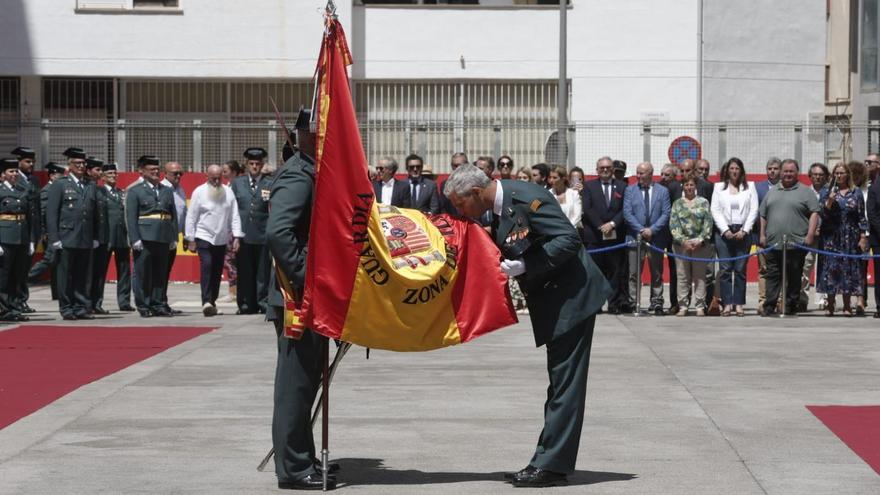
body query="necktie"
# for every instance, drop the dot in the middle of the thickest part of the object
(647, 206)
(495, 221)
(415, 192)
(253, 184)
(607, 193)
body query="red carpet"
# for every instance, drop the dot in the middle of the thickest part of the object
(857, 426)
(39, 364)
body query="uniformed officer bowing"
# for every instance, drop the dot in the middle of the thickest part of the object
(251, 192)
(151, 218)
(71, 227)
(49, 261)
(564, 290)
(29, 184)
(16, 246)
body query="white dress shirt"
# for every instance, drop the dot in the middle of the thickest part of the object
(572, 207)
(387, 191)
(212, 221)
(731, 209)
(179, 202)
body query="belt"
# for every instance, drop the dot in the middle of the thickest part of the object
(157, 216)
(16, 217)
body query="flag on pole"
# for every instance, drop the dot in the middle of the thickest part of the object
(380, 276)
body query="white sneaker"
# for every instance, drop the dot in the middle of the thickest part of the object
(228, 298)
(208, 309)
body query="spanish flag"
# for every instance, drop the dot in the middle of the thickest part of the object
(385, 277)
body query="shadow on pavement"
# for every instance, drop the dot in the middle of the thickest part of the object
(358, 471)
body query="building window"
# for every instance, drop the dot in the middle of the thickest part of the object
(870, 67)
(152, 4)
(485, 3)
(129, 6)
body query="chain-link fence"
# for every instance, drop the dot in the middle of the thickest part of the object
(199, 143)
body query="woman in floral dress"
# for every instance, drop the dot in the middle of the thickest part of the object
(843, 231)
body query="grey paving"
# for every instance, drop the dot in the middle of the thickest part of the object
(675, 405)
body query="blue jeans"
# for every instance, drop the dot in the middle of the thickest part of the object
(733, 273)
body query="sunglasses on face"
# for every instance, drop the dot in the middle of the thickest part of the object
(380, 168)
(503, 164)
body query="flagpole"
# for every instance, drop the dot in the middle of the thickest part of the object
(325, 418)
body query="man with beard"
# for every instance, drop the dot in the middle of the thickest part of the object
(212, 223)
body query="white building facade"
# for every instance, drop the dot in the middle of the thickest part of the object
(192, 80)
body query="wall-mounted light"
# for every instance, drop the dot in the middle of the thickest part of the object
(461, 61)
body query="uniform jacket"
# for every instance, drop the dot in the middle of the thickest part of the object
(111, 215)
(253, 206)
(44, 203)
(634, 214)
(287, 230)
(562, 285)
(428, 200)
(400, 195)
(70, 214)
(15, 201)
(30, 186)
(597, 212)
(140, 202)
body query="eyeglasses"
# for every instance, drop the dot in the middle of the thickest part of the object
(179, 174)
(868, 162)
(380, 168)
(503, 164)
(413, 167)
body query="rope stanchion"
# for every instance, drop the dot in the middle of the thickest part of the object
(638, 308)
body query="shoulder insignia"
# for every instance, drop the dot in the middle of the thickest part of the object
(534, 205)
(510, 211)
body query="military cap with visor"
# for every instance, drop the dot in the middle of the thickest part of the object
(23, 152)
(75, 153)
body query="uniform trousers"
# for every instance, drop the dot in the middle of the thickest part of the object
(49, 262)
(172, 255)
(253, 267)
(151, 266)
(13, 269)
(122, 258)
(22, 291)
(73, 281)
(210, 269)
(98, 278)
(568, 360)
(297, 378)
(613, 267)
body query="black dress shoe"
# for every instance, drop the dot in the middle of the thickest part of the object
(522, 472)
(28, 309)
(162, 312)
(68, 317)
(877, 314)
(313, 481)
(101, 311)
(146, 314)
(126, 308)
(539, 478)
(659, 312)
(84, 316)
(175, 311)
(333, 467)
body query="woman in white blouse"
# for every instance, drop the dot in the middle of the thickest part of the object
(735, 211)
(569, 199)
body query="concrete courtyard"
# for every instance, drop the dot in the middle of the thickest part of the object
(674, 406)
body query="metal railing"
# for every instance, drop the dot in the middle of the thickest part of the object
(197, 143)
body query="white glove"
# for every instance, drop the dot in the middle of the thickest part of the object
(138, 246)
(57, 245)
(1, 250)
(513, 268)
(95, 244)
(173, 246)
(31, 249)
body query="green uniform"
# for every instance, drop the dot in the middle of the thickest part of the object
(151, 220)
(298, 369)
(29, 185)
(564, 290)
(112, 239)
(48, 261)
(15, 239)
(252, 259)
(71, 228)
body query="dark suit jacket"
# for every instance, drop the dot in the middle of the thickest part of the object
(598, 213)
(287, 230)
(873, 208)
(705, 189)
(634, 213)
(562, 285)
(428, 200)
(400, 196)
(70, 214)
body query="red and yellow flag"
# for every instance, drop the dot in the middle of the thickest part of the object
(380, 276)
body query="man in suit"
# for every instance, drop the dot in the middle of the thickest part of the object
(173, 174)
(669, 180)
(458, 159)
(49, 260)
(873, 209)
(423, 191)
(113, 239)
(564, 290)
(298, 369)
(16, 245)
(151, 220)
(251, 192)
(28, 183)
(72, 229)
(389, 190)
(774, 169)
(604, 226)
(646, 210)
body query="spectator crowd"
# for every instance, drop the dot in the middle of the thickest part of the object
(700, 232)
